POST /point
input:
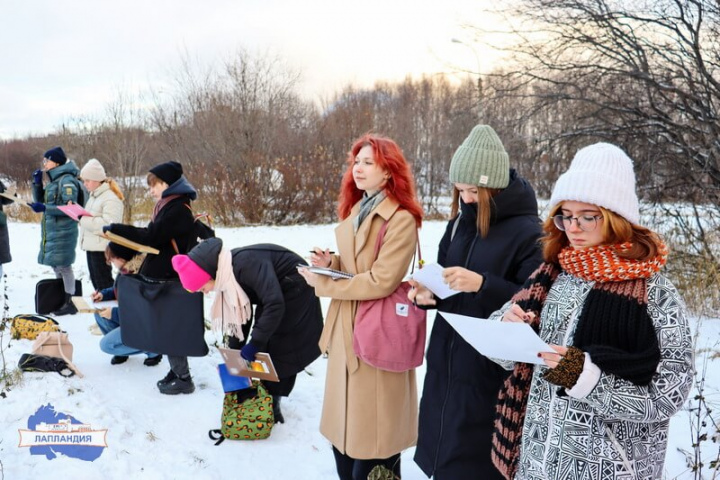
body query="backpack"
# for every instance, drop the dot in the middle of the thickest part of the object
(29, 325)
(55, 345)
(246, 415)
(30, 362)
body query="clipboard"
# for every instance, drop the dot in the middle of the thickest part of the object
(74, 211)
(83, 306)
(11, 196)
(138, 247)
(262, 367)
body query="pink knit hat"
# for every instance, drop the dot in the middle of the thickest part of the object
(192, 276)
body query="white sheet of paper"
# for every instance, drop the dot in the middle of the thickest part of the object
(431, 277)
(513, 341)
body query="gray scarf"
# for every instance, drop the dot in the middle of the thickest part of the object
(367, 204)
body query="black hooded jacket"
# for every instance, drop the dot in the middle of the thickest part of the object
(288, 319)
(174, 222)
(461, 385)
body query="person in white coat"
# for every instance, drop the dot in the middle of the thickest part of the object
(106, 206)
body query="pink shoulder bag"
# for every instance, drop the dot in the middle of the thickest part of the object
(390, 332)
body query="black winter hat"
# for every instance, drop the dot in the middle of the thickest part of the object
(120, 251)
(57, 155)
(205, 254)
(169, 172)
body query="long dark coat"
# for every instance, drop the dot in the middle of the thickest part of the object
(59, 232)
(288, 319)
(174, 221)
(5, 256)
(461, 385)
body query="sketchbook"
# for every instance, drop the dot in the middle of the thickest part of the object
(86, 305)
(138, 247)
(334, 274)
(11, 195)
(74, 211)
(262, 367)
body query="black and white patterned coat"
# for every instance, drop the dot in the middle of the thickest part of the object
(614, 430)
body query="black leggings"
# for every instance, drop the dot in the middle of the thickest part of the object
(351, 469)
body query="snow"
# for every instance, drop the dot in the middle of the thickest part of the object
(155, 436)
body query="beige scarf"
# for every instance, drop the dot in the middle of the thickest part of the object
(231, 308)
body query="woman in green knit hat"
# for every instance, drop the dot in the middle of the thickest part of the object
(489, 248)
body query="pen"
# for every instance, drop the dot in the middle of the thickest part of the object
(330, 252)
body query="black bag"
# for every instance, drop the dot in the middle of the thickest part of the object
(161, 316)
(50, 294)
(41, 363)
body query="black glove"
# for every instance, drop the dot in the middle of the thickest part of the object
(248, 352)
(107, 228)
(37, 207)
(37, 177)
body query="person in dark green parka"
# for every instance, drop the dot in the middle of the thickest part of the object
(59, 231)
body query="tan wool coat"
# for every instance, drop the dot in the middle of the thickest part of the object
(367, 413)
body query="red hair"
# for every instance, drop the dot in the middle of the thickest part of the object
(615, 229)
(400, 186)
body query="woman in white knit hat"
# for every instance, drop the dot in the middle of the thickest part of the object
(599, 405)
(106, 206)
(489, 248)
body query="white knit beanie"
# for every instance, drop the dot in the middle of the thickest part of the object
(600, 174)
(93, 170)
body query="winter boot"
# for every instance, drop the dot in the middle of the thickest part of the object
(178, 385)
(68, 307)
(168, 378)
(277, 413)
(118, 359)
(152, 361)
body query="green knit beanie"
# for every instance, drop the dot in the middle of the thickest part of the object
(481, 160)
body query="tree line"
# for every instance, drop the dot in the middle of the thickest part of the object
(640, 74)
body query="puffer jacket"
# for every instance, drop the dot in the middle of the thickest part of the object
(457, 408)
(619, 430)
(106, 208)
(5, 256)
(59, 232)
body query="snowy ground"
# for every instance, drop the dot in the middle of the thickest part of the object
(158, 437)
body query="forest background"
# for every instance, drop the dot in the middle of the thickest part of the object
(640, 74)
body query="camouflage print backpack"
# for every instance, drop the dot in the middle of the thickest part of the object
(247, 415)
(30, 325)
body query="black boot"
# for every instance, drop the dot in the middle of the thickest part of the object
(277, 413)
(68, 308)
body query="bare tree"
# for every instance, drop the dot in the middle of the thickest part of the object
(641, 74)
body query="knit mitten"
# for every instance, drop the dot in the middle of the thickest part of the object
(568, 371)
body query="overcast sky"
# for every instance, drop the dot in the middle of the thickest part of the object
(64, 59)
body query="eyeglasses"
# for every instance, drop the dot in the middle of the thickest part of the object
(586, 223)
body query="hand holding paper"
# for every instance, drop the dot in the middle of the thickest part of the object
(74, 211)
(513, 341)
(431, 277)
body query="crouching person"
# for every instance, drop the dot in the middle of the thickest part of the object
(127, 261)
(288, 318)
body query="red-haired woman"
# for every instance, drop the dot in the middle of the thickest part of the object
(369, 415)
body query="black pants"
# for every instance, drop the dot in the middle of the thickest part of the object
(100, 271)
(351, 469)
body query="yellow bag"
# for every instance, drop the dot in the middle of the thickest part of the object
(29, 325)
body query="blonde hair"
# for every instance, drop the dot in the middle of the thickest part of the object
(484, 208)
(115, 188)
